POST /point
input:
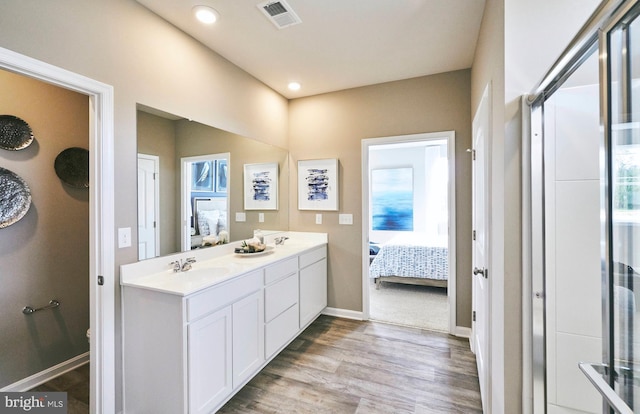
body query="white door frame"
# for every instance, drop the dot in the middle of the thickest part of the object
(451, 145)
(101, 217)
(156, 198)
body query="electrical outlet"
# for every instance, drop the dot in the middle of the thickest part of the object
(318, 218)
(124, 237)
(261, 217)
(241, 217)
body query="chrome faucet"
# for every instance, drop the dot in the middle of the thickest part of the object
(187, 263)
(180, 266)
(176, 266)
(280, 240)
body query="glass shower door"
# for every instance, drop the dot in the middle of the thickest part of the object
(618, 378)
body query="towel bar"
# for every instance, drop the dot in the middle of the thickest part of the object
(28, 310)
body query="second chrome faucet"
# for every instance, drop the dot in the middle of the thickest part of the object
(182, 266)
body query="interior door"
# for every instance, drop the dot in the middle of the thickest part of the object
(480, 285)
(148, 245)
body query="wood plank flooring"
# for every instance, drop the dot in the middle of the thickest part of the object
(345, 366)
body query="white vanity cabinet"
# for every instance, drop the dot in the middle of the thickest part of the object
(313, 284)
(189, 351)
(209, 360)
(281, 305)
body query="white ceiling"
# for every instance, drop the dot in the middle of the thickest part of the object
(340, 44)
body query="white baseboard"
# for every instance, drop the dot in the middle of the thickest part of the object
(48, 374)
(462, 332)
(343, 313)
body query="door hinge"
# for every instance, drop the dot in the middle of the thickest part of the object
(155, 176)
(473, 154)
(474, 235)
(474, 316)
(154, 224)
(100, 280)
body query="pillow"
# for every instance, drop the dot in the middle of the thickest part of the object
(222, 221)
(208, 222)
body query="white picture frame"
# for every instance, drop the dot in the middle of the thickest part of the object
(318, 185)
(261, 186)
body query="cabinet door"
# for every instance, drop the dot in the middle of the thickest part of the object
(248, 337)
(313, 291)
(210, 359)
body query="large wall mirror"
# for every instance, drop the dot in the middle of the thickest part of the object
(190, 184)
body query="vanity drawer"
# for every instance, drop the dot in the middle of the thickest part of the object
(280, 296)
(313, 256)
(280, 330)
(280, 270)
(218, 296)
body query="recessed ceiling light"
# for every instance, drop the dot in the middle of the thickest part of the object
(205, 14)
(294, 86)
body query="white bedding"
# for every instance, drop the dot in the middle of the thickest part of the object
(412, 255)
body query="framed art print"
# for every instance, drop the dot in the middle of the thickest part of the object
(318, 184)
(202, 176)
(261, 186)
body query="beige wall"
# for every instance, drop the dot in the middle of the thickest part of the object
(147, 61)
(45, 255)
(333, 125)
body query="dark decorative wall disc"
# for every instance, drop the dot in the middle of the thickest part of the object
(72, 167)
(15, 134)
(15, 197)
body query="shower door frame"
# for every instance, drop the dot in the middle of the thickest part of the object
(591, 36)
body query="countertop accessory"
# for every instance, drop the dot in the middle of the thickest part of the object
(267, 249)
(15, 133)
(72, 167)
(15, 197)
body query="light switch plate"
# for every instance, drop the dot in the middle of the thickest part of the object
(345, 219)
(124, 237)
(318, 218)
(241, 217)
(261, 217)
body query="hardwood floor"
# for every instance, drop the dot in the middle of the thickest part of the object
(76, 384)
(345, 366)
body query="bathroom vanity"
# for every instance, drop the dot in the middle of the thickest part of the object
(192, 339)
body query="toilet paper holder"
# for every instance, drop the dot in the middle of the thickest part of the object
(28, 310)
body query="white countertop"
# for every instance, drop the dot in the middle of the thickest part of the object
(213, 265)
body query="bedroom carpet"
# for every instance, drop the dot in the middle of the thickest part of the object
(410, 305)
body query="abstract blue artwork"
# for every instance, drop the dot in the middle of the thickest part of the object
(318, 184)
(261, 186)
(392, 199)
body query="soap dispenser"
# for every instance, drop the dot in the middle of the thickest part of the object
(258, 235)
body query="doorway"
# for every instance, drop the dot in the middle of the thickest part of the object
(102, 281)
(409, 230)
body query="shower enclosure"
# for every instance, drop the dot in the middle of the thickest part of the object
(585, 213)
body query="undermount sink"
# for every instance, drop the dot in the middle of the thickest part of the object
(207, 272)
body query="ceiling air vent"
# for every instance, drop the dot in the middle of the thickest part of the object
(280, 13)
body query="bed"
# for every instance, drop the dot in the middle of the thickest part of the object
(412, 258)
(210, 219)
